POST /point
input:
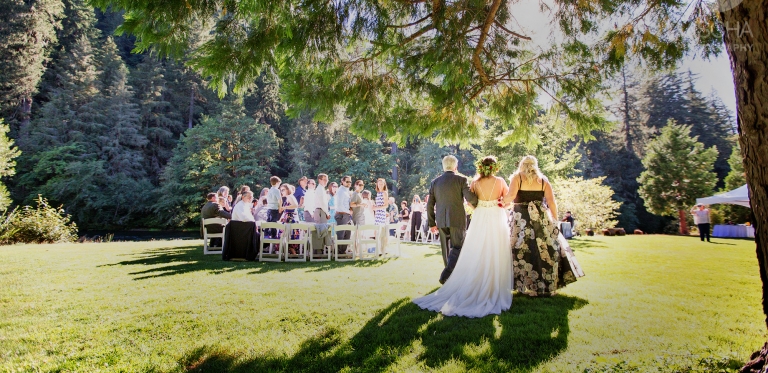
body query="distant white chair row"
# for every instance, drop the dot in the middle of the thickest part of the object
(362, 238)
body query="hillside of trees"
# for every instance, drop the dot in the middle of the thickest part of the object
(124, 140)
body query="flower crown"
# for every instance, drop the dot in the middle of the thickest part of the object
(487, 169)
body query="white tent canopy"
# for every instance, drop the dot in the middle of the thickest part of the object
(738, 196)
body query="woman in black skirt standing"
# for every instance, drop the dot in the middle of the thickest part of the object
(417, 209)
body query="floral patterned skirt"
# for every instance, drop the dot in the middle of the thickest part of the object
(539, 265)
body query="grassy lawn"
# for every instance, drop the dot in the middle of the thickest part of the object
(648, 303)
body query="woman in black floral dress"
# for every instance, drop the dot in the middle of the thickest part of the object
(541, 262)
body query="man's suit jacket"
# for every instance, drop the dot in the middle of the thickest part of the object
(213, 210)
(445, 207)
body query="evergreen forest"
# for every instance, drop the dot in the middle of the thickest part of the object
(125, 140)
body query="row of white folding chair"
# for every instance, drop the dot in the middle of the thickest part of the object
(303, 242)
(358, 240)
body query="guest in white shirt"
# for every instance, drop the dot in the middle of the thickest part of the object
(343, 210)
(309, 202)
(701, 219)
(322, 211)
(417, 208)
(242, 210)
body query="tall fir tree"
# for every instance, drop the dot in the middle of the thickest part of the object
(8, 154)
(678, 169)
(27, 36)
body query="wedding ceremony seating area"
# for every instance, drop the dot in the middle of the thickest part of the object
(305, 228)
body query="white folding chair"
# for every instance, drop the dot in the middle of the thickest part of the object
(431, 237)
(419, 236)
(324, 253)
(402, 231)
(303, 242)
(364, 242)
(269, 256)
(393, 240)
(207, 236)
(351, 242)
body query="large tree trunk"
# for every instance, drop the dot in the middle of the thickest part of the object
(683, 222)
(746, 40)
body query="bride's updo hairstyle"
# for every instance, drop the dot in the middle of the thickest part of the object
(528, 169)
(487, 166)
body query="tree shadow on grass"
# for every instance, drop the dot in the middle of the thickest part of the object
(586, 243)
(181, 260)
(532, 332)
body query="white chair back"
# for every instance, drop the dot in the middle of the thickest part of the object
(393, 240)
(302, 242)
(208, 250)
(272, 255)
(351, 242)
(369, 241)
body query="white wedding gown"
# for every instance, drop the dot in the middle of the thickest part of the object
(481, 283)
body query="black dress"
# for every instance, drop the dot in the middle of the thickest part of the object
(541, 261)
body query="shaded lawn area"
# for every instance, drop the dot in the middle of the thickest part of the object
(648, 303)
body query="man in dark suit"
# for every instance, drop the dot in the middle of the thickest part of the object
(212, 209)
(445, 211)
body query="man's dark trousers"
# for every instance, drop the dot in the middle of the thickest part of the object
(451, 240)
(272, 217)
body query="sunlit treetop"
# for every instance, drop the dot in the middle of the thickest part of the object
(419, 68)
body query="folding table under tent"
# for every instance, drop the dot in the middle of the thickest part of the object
(738, 196)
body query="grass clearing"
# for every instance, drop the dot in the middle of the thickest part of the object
(648, 303)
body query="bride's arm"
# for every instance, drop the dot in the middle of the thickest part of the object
(504, 187)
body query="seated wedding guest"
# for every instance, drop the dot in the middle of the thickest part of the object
(332, 189)
(212, 209)
(320, 201)
(568, 218)
(299, 193)
(393, 216)
(405, 212)
(260, 206)
(242, 211)
(243, 189)
(417, 208)
(309, 202)
(223, 192)
(343, 210)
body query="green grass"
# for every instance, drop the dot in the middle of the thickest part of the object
(648, 303)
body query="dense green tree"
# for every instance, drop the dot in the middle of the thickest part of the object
(7, 164)
(350, 154)
(673, 96)
(229, 149)
(27, 35)
(84, 150)
(589, 201)
(426, 163)
(678, 169)
(556, 149)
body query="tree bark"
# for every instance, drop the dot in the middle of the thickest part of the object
(746, 42)
(683, 222)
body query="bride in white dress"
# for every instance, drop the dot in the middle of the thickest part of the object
(481, 283)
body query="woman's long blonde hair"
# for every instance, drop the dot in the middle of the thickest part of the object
(528, 169)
